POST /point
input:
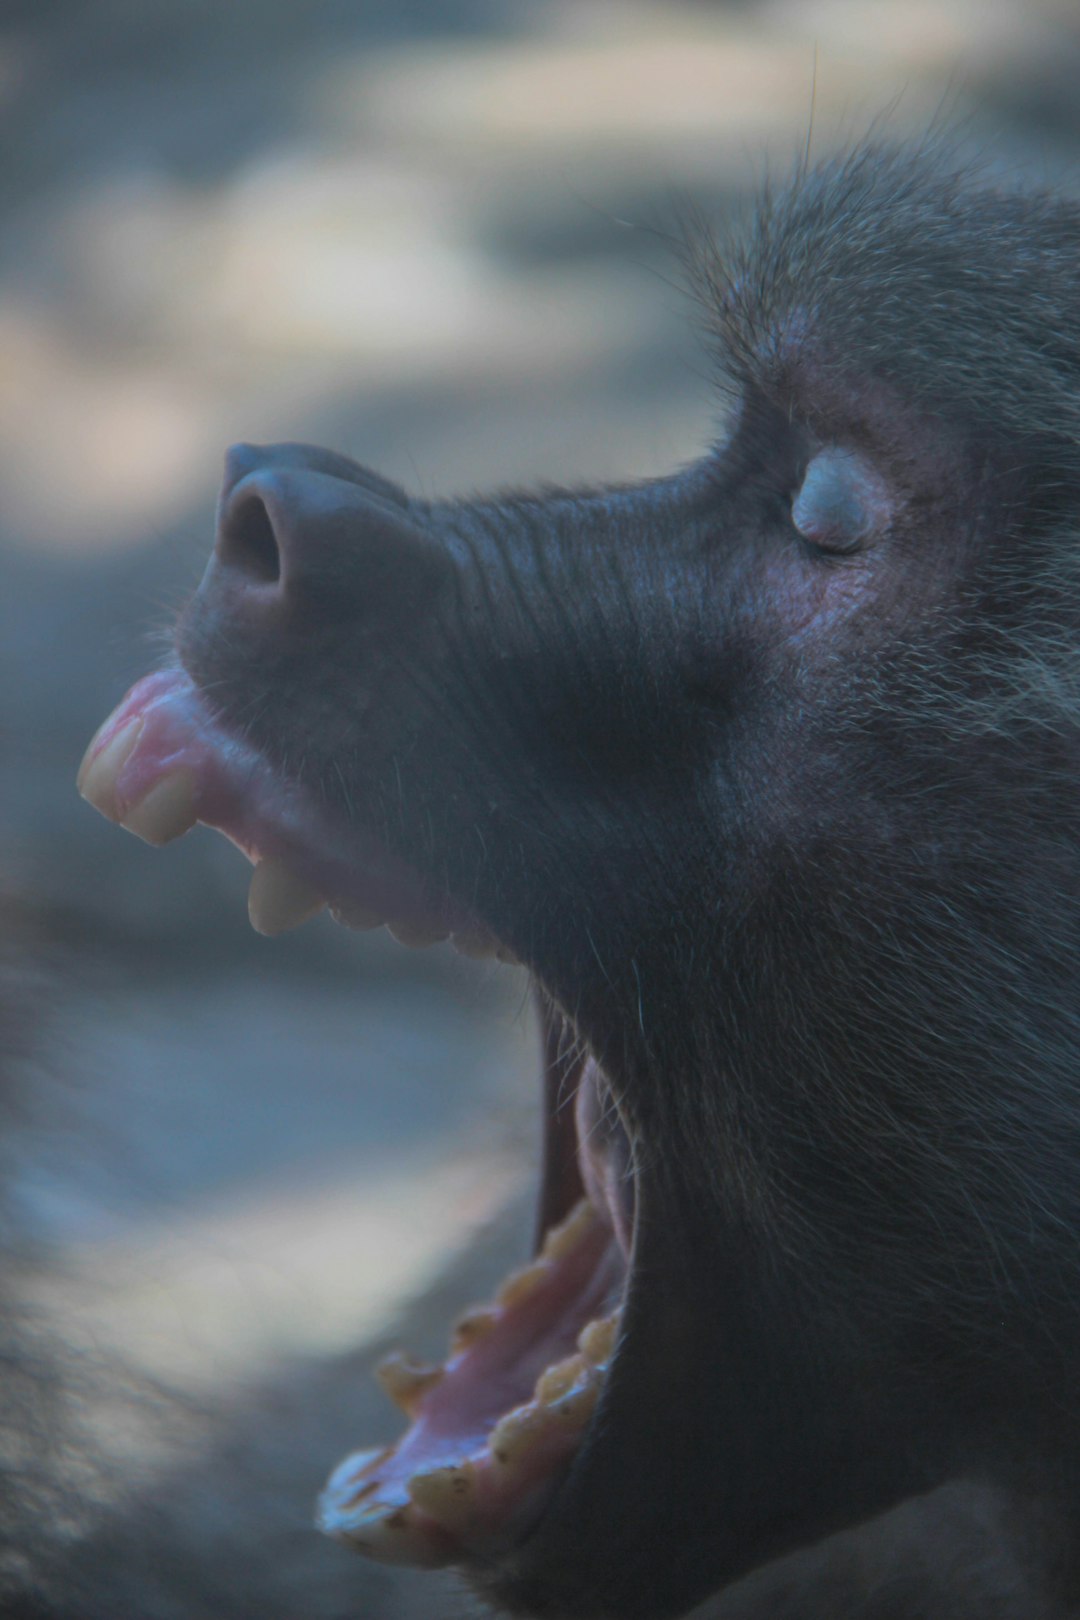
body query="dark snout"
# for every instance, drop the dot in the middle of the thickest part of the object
(305, 536)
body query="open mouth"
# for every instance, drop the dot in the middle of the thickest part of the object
(493, 1429)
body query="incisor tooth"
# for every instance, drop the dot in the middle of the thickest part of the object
(447, 1494)
(279, 900)
(166, 812)
(568, 1234)
(96, 780)
(407, 1381)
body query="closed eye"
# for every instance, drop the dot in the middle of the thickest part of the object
(842, 503)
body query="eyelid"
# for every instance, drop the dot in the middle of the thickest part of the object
(842, 501)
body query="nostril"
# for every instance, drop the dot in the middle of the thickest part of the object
(247, 542)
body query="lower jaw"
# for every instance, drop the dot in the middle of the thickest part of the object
(496, 1426)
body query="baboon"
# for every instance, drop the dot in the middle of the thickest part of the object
(769, 773)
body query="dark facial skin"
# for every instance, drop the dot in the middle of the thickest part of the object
(768, 772)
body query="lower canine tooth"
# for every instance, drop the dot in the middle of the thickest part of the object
(279, 900)
(407, 1381)
(166, 812)
(96, 780)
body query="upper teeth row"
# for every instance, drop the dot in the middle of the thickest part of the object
(279, 898)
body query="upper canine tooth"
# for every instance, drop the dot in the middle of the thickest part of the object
(167, 811)
(100, 767)
(278, 899)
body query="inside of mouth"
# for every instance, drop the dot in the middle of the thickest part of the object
(492, 1428)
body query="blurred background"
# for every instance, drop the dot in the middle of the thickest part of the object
(436, 235)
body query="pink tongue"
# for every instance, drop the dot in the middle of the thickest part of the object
(169, 743)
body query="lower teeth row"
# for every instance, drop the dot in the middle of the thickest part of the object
(438, 1515)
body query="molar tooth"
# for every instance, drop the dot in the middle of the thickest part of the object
(471, 1327)
(407, 1381)
(447, 1494)
(477, 943)
(596, 1341)
(522, 1282)
(96, 780)
(577, 1406)
(557, 1380)
(351, 915)
(513, 1436)
(278, 899)
(561, 1239)
(166, 812)
(417, 934)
